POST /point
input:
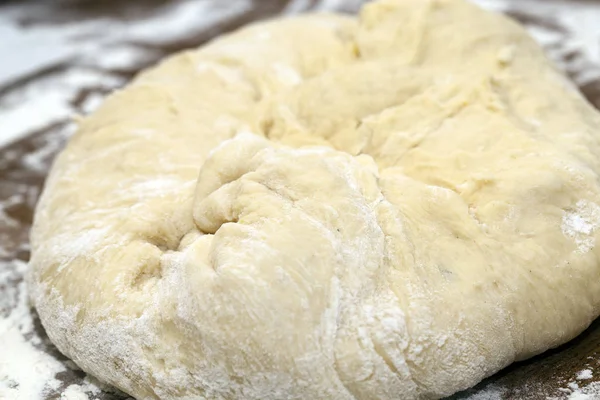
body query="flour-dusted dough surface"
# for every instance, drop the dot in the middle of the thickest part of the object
(388, 207)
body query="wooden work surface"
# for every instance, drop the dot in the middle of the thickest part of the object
(59, 58)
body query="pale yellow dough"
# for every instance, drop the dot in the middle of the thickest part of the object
(393, 206)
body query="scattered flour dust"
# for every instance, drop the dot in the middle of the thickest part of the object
(590, 392)
(584, 374)
(491, 392)
(580, 223)
(79, 392)
(26, 372)
(587, 392)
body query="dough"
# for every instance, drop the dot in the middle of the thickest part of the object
(393, 206)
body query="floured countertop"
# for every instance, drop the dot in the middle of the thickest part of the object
(60, 58)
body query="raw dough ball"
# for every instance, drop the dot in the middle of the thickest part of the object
(324, 207)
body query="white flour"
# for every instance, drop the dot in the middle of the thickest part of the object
(584, 374)
(489, 393)
(25, 372)
(578, 389)
(79, 392)
(580, 224)
(589, 392)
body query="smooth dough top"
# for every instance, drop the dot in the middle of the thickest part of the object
(393, 206)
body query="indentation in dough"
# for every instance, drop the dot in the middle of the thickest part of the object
(80, 315)
(266, 126)
(148, 271)
(164, 233)
(161, 243)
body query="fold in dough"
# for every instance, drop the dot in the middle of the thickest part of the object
(393, 206)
